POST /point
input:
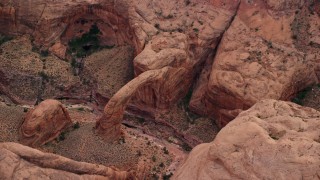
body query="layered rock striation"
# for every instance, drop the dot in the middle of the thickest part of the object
(260, 56)
(44, 123)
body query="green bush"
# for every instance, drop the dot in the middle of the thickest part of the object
(186, 147)
(166, 176)
(44, 53)
(76, 125)
(44, 76)
(4, 39)
(62, 136)
(87, 43)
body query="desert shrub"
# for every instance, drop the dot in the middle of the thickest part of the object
(154, 159)
(301, 95)
(186, 147)
(44, 53)
(44, 76)
(87, 43)
(187, 2)
(4, 39)
(166, 176)
(76, 125)
(165, 150)
(80, 109)
(157, 26)
(62, 136)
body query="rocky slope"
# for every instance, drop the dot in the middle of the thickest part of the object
(264, 54)
(271, 140)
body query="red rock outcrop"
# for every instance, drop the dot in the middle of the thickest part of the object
(258, 58)
(175, 36)
(22, 162)
(271, 140)
(49, 22)
(109, 125)
(44, 123)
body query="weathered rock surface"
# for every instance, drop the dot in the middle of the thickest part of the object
(53, 20)
(44, 123)
(176, 34)
(22, 162)
(109, 126)
(258, 58)
(271, 140)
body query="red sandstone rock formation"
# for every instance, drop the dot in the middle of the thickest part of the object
(269, 51)
(22, 162)
(258, 58)
(109, 125)
(271, 140)
(44, 123)
(183, 51)
(49, 22)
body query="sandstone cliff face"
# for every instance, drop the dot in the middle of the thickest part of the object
(22, 162)
(271, 140)
(50, 21)
(269, 51)
(259, 57)
(177, 35)
(44, 123)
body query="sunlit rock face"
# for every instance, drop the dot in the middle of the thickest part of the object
(44, 123)
(263, 54)
(271, 140)
(35, 164)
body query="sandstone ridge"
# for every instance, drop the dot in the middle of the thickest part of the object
(20, 162)
(271, 140)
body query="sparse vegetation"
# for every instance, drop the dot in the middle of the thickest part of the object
(186, 147)
(44, 76)
(166, 176)
(4, 39)
(196, 30)
(62, 136)
(270, 44)
(161, 165)
(169, 16)
(139, 153)
(294, 37)
(141, 120)
(154, 159)
(44, 53)
(165, 150)
(157, 25)
(80, 109)
(301, 95)
(76, 125)
(87, 43)
(187, 2)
